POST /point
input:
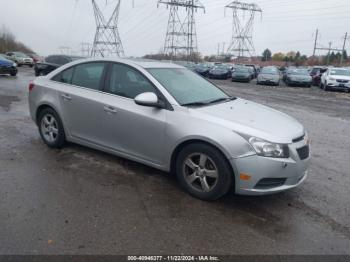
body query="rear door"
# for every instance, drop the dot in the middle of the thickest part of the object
(81, 100)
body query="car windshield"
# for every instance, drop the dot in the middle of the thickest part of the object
(220, 67)
(298, 72)
(202, 66)
(187, 87)
(242, 70)
(269, 71)
(340, 72)
(21, 55)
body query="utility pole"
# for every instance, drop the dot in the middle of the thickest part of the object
(107, 41)
(329, 49)
(242, 30)
(344, 44)
(181, 36)
(329, 52)
(315, 45)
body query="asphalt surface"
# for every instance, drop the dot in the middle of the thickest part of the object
(81, 201)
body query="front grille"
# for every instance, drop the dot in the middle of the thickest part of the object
(304, 152)
(342, 81)
(298, 139)
(268, 183)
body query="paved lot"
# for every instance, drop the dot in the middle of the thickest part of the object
(81, 201)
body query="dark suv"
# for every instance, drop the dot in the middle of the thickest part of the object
(53, 62)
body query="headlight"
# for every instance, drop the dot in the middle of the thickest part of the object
(268, 149)
(14, 64)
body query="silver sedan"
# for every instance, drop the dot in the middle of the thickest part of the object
(168, 117)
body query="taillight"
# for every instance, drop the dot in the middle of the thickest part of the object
(31, 86)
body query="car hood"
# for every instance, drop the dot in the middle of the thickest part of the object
(218, 71)
(252, 119)
(269, 76)
(304, 77)
(340, 77)
(4, 62)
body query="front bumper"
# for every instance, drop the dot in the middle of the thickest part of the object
(8, 70)
(300, 83)
(339, 86)
(292, 171)
(215, 76)
(241, 79)
(268, 81)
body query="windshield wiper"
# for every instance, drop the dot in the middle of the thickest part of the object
(196, 104)
(222, 99)
(205, 103)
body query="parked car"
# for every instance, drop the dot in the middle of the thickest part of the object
(316, 73)
(241, 74)
(336, 79)
(53, 62)
(255, 71)
(36, 58)
(170, 118)
(220, 71)
(269, 75)
(298, 77)
(7, 67)
(203, 69)
(21, 59)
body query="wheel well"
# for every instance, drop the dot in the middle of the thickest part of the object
(186, 143)
(39, 110)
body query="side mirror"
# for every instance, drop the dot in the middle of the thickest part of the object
(149, 99)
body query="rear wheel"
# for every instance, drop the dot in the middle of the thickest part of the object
(13, 74)
(203, 171)
(51, 128)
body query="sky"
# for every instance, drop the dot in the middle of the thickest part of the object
(285, 25)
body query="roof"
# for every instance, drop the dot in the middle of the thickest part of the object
(144, 63)
(152, 63)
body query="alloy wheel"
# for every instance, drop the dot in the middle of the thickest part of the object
(200, 172)
(49, 128)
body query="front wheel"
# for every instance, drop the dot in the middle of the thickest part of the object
(203, 171)
(51, 128)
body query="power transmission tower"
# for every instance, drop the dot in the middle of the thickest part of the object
(65, 50)
(242, 29)
(85, 49)
(107, 41)
(181, 36)
(329, 48)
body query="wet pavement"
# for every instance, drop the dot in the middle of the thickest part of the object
(81, 201)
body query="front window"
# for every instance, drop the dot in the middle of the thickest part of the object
(299, 72)
(187, 87)
(269, 71)
(339, 72)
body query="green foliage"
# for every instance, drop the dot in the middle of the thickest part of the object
(266, 55)
(8, 42)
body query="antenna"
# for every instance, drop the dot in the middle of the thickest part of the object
(181, 36)
(242, 29)
(107, 41)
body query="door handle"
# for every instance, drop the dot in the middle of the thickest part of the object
(109, 109)
(66, 97)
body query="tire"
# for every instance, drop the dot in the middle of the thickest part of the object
(51, 132)
(13, 74)
(37, 73)
(19, 65)
(203, 186)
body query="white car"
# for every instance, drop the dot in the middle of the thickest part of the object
(336, 78)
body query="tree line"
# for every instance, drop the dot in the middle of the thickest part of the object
(8, 42)
(298, 59)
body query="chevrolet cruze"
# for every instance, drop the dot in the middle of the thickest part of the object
(165, 116)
